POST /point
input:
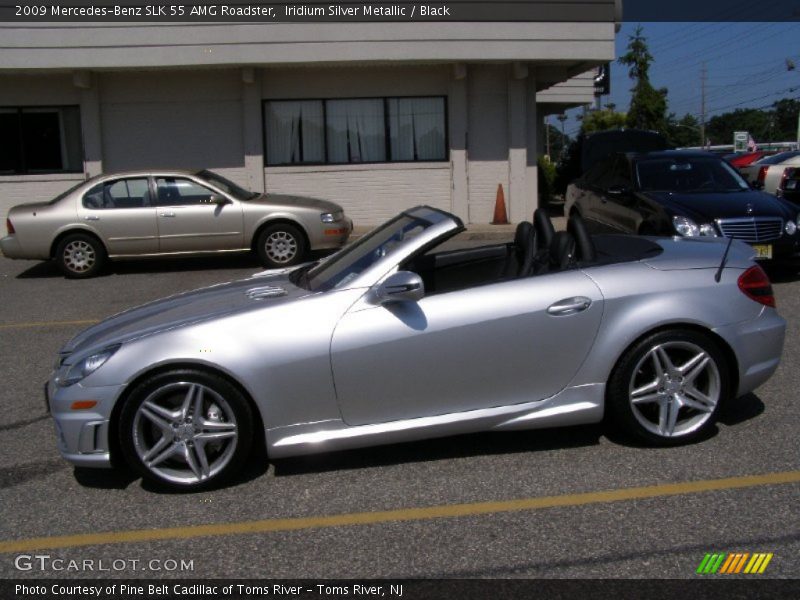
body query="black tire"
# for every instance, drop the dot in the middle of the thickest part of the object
(196, 457)
(638, 397)
(80, 256)
(281, 245)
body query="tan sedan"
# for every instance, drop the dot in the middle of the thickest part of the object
(148, 213)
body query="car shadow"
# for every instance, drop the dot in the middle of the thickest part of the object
(783, 273)
(740, 410)
(48, 269)
(461, 446)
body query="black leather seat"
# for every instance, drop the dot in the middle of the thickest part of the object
(562, 251)
(544, 229)
(585, 251)
(521, 252)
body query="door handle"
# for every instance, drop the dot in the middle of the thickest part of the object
(569, 306)
(168, 214)
(91, 218)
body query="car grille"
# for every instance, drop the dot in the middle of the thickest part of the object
(752, 229)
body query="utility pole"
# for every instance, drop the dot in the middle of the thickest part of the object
(703, 105)
(562, 117)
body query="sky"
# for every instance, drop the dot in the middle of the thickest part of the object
(745, 66)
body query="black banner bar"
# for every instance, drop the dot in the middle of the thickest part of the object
(730, 588)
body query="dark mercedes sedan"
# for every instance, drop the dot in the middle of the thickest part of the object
(683, 193)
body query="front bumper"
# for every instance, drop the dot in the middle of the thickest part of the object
(332, 235)
(82, 436)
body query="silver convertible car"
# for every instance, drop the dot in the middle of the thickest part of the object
(147, 213)
(390, 340)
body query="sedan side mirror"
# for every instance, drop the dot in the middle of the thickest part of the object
(400, 286)
(218, 199)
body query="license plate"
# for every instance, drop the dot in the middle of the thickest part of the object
(763, 250)
(791, 184)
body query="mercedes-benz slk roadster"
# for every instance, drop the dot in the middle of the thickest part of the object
(392, 339)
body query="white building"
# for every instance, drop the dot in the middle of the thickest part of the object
(375, 116)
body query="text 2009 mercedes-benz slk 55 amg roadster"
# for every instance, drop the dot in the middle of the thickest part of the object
(390, 340)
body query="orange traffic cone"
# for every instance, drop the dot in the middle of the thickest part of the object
(500, 216)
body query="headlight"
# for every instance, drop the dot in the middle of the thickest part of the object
(685, 226)
(331, 217)
(790, 228)
(708, 229)
(87, 366)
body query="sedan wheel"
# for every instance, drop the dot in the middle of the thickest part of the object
(668, 388)
(187, 430)
(281, 246)
(80, 256)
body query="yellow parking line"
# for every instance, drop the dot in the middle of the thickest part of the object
(404, 514)
(32, 324)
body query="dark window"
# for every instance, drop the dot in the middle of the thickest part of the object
(176, 191)
(355, 130)
(122, 193)
(40, 140)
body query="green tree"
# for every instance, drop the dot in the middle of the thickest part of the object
(648, 107)
(720, 128)
(683, 132)
(785, 123)
(600, 120)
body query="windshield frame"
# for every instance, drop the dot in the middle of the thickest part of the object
(226, 185)
(332, 272)
(725, 165)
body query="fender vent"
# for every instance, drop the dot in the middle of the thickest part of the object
(268, 291)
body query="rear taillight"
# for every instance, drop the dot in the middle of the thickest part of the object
(787, 174)
(762, 176)
(755, 284)
(10, 227)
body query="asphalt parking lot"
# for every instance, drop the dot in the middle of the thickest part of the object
(573, 502)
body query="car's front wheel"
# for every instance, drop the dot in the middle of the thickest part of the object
(186, 429)
(667, 389)
(281, 245)
(80, 256)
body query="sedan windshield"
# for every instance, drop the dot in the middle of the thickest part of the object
(227, 186)
(688, 174)
(347, 264)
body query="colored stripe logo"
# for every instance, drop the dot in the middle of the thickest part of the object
(732, 563)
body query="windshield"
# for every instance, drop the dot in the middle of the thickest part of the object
(227, 186)
(777, 158)
(688, 174)
(347, 264)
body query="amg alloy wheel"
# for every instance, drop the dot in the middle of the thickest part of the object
(668, 388)
(281, 246)
(186, 429)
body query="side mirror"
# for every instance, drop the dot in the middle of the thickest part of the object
(400, 286)
(218, 199)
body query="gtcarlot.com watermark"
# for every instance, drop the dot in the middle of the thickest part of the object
(48, 563)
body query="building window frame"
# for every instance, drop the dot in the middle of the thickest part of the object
(67, 143)
(386, 131)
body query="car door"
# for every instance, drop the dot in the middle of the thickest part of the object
(190, 221)
(493, 345)
(122, 213)
(618, 208)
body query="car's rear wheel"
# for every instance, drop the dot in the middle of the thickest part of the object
(186, 429)
(281, 245)
(667, 389)
(80, 256)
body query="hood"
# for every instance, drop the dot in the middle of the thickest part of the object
(707, 206)
(299, 201)
(187, 308)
